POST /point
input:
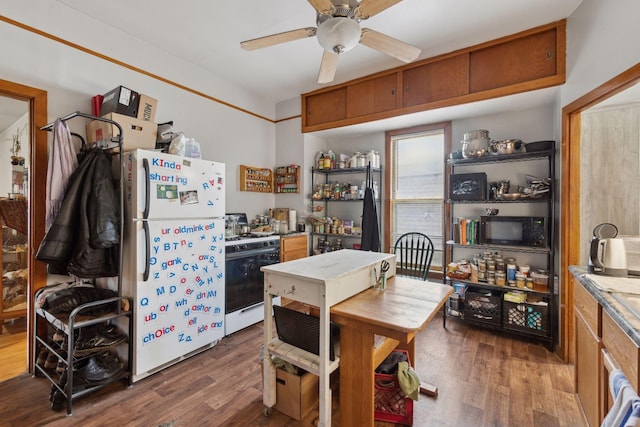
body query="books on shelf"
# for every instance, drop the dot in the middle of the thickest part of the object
(466, 231)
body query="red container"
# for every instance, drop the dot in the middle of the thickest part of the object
(390, 405)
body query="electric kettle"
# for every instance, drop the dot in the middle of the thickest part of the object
(608, 255)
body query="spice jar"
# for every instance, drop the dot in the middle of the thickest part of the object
(501, 278)
(520, 280)
(528, 283)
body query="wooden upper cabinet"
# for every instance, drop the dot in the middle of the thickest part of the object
(372, 96)
(517, 61)
(326, 107)
(437, 80)
(529, 60)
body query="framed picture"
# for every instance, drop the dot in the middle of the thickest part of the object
(468, 186)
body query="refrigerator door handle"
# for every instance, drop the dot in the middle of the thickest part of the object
(147, 183)
(147, 246)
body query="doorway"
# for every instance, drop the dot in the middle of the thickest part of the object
(570, 244)
(14, 125)
(23, 153)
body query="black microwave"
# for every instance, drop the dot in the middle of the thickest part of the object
(513, 230)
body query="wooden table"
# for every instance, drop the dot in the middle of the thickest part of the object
(398, 313)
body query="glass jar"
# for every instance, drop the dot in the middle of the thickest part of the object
(371, 159)
(501, 278)
(353, 162)
(520, 280)
(361, 160)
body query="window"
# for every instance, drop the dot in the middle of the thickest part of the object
(416, 177)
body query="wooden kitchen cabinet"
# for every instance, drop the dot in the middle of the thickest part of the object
(624, 352)
(447, 78)
(588, 381)
(516, 61)
(529, 60)
(372, 96)
(325, 107)
(294, 247)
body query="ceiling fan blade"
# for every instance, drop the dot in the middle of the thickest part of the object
(389, 46)
(323, 7)
(368, 8)
(279, 38)
(328, 67)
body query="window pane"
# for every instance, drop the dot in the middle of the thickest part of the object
(421, 216)
(419, 167)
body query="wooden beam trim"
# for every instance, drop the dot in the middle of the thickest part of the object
(130, 67)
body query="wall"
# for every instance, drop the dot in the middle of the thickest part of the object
(611, 176)
(601, 43)
(71, 77)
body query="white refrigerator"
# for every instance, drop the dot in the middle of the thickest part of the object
(174, 257)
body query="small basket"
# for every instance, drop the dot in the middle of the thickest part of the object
(483, 307)
(531, 318)
(390, 404)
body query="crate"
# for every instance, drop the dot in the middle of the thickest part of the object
(531, 318)
(390, 404)
(484, 307)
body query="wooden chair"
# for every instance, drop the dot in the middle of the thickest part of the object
(414, 252)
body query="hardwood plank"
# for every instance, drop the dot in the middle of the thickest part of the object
(516, 382)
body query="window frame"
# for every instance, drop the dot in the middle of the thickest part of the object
(388, 219)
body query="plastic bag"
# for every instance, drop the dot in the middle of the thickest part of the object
(178, 145)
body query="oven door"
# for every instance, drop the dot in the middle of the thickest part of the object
(244, 287)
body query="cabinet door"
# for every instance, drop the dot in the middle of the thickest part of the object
(372, 96)
(517, 61)
(293, 248)
(325, 107)
(434, 81)
(587, 366)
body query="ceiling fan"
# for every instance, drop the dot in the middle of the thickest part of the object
(339, 31)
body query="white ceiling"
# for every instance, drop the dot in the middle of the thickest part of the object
(208, 34)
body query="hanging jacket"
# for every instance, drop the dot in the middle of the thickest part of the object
(84, 236)
(61, 165)
(370, 231)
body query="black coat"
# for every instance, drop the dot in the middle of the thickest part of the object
(370, 230)
(83, 239)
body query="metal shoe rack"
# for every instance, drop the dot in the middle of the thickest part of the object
(70, 323)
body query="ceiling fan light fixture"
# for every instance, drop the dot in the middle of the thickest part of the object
(338, 34)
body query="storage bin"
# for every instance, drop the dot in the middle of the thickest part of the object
(390, 404)
(531, 318)
(484, 307)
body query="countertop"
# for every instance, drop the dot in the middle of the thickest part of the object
(627, 321)
(293, 234)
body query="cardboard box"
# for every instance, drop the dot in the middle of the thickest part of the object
(147, 107)
(296, 395)
(120, 100)
(137, 133)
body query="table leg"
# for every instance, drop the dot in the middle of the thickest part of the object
(356, 377)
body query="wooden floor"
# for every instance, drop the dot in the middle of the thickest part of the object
(484, 379)
(13, 348)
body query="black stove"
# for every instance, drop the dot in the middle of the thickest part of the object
(244, 283)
